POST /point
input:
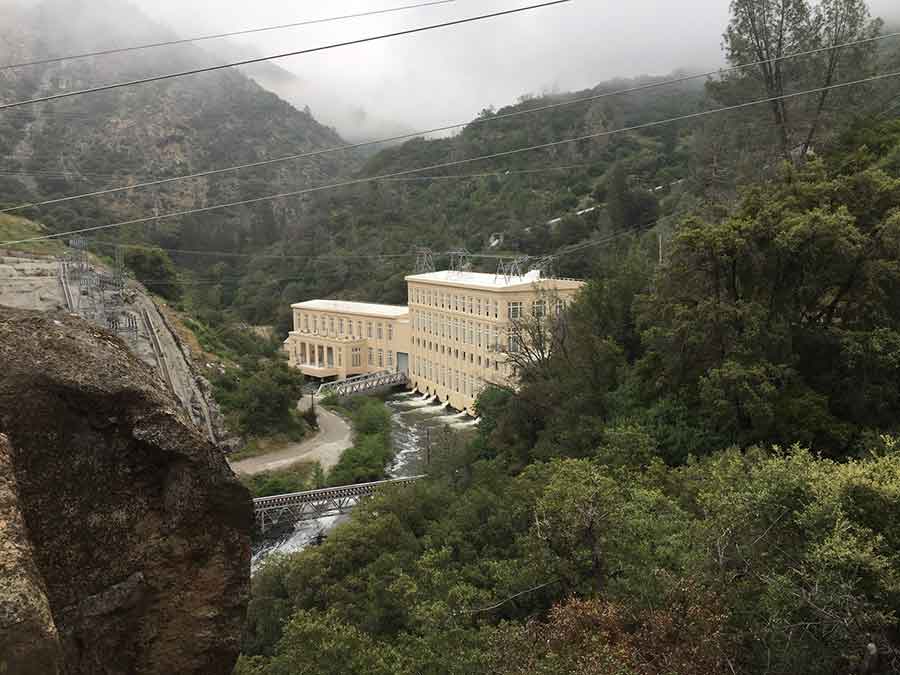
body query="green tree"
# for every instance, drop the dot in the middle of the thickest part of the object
(267, 400)
(154, 268)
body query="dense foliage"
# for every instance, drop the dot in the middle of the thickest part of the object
(372, 450)
(703, 480)
(256, 389)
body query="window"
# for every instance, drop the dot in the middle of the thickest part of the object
(350, 327)
(390, 332)
(306, 323)
(496, 309)
(331, 325)
(316, 325)
(470, 338)
(369, 329)
(469, 305)
(390, 359)
(380, 358)
(356, 357)
(455, 303)
(539, 309)
(359, 328)
(340, 358)
(478, 335)
(341, 326)
(515, 310)
(478, 306)
(443, 298)
(515, 342)
(380, 332)
(371, 356)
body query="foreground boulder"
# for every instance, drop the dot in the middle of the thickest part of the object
(124, 536)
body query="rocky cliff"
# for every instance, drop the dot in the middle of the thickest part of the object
(124, 537)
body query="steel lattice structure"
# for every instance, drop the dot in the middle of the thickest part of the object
(362, 383)
(301, 506)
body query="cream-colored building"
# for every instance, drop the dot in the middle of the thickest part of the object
(335, 339)
(462, 324)
(451, 340)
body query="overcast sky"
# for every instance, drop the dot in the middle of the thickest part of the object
(450, 74)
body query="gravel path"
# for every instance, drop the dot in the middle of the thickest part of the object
(335, 435)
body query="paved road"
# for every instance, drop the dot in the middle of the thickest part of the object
(326, 447)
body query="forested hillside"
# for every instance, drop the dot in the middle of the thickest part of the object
(701, 478)
(147, 132)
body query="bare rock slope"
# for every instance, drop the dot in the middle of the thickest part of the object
(124, 536)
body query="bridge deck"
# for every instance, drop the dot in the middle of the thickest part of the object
(299, 506)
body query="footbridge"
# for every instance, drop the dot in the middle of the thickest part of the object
(300, 506)
(363, 384)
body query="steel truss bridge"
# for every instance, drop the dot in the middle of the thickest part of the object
(362, 383)
(300, 506)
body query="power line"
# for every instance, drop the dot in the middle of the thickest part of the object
(460, 162)
(261, 59)
(248, 31)
(451, 127)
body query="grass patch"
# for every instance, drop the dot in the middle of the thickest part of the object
(298, 477)
(13, 228)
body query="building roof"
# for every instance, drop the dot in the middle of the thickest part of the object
(476, 279)
(362, 308)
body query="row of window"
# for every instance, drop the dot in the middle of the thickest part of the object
(471, 357)
(337, 326)
(475, 305)
(325, 356)
(453, 380)
(465, 332)
(454, 303)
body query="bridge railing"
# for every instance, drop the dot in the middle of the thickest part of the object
(362, 383)
(313, 504)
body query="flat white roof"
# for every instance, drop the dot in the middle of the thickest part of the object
(347, 307)
(476, 279)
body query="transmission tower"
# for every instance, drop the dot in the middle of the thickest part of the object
(459, 261)
(508, 269)
(424, 261)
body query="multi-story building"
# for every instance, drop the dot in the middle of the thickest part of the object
(452, 339)
(463, 324)
(334, 339)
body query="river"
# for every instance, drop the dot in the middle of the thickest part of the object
(413, 419)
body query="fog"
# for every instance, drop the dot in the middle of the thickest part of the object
(451, 74)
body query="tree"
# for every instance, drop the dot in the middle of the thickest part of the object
(267, 400)
(154, 268)
(767, 31)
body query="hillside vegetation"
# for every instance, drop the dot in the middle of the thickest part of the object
(702, 478)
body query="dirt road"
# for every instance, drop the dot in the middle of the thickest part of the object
(334, 436)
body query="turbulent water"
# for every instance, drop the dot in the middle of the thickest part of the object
(414, 418)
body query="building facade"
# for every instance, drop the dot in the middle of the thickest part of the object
(334, 339)
(463, 323)
(451, 340)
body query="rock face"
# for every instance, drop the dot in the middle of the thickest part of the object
(124, 536)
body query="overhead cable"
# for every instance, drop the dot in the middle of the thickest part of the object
(460, 162)
(273, 57)
(201, 38)
(450, 127)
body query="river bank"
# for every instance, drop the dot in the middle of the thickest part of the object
(415, 423)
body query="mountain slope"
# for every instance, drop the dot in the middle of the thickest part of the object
(157, 130)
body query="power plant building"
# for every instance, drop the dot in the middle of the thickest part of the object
(451, 340)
